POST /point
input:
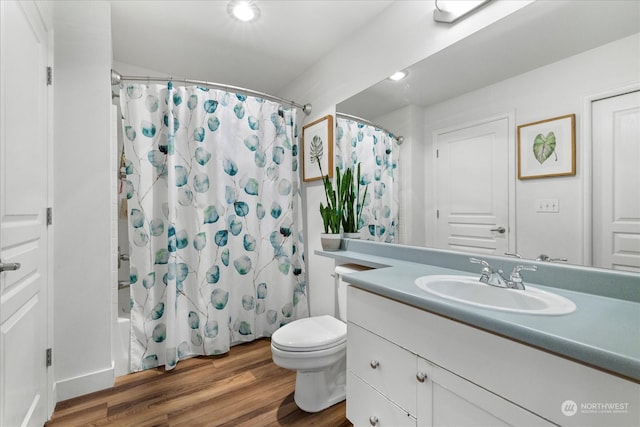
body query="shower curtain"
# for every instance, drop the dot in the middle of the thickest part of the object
(376, 151)
(214, 213)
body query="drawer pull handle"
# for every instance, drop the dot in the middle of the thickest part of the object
(373, 420)
(374, 364)
(421, 376)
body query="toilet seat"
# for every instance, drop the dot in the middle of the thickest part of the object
(310, 334)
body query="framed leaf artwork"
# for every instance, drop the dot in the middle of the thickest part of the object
(317, 149)
(547, 148)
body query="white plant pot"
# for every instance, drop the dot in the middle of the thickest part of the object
(351, 235)
(330, 241)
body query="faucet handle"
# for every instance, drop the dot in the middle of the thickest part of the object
(518, 268)
(484, 263)
(545, 257)
(487, 270)
(515, 280)
(513, 254)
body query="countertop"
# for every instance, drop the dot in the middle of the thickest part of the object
(603, 332)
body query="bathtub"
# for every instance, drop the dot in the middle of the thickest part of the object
(122, 333)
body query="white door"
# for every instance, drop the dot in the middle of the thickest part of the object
(616, 182)
(23, 204)
(472, 188)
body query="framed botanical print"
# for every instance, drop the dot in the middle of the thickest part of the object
(317, 149)
(547, 148)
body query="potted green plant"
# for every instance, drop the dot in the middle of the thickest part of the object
(332, 212)
(353, 204)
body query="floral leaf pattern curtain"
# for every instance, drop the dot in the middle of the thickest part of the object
(214, 212)
(376, 151)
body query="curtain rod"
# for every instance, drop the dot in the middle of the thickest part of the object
(399, 139)
(117, 78)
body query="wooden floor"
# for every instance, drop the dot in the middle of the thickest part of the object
(243, 388)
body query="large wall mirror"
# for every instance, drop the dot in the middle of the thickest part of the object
(547, 60)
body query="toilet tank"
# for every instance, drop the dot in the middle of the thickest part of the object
(341, 287)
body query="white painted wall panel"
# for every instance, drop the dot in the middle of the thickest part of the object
(82, 202)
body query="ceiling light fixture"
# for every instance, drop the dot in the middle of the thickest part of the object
(243, 10)
(399, 75)
(451, 11)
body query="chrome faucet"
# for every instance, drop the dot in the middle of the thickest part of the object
(493, 277)
(489, 275)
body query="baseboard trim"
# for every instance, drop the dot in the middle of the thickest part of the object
(84, 384)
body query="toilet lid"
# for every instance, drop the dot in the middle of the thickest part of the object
(310, 334)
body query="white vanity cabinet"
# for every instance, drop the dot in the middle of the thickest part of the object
(410, 367)
(388, 385)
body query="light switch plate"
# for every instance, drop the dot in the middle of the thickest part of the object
(547, 205)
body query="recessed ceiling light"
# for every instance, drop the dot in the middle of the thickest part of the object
(398, 75)
(243, 10)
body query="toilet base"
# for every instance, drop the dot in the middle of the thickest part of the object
(317, 390)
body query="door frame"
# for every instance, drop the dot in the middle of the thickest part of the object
(51, 384)
(587, 164)
(511, 169)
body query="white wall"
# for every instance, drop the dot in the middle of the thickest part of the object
(550, 91)
(82, 204)
(402, 35)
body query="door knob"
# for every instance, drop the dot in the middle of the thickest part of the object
(500, 230)
(9, 266)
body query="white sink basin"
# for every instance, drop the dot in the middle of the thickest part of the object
(470, 290)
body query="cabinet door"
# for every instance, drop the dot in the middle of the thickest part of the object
(388, 368)
(445, 399)
(367, 407)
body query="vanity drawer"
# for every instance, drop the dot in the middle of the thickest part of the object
(385, 366)
(367, 407)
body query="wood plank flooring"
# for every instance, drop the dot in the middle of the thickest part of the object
(242, 388)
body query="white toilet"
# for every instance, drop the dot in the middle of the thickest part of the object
(316, 347)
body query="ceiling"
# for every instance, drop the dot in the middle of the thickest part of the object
(539, 34)
(198, 40)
